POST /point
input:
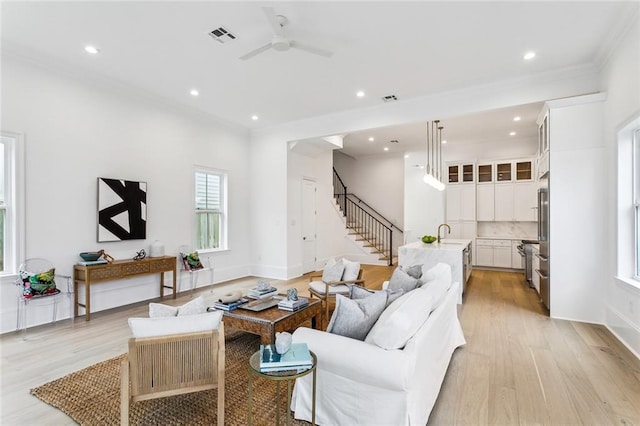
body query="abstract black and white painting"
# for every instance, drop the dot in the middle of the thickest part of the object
(122, 210)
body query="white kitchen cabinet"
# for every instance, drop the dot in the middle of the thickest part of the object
(525, 202)
(517, 261)
(502, 253)
(485, 203)
(504, 202)
(515, 202)
(461, 202)
(460, 173)
(484, 252)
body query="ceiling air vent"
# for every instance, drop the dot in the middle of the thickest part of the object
(390, 98)
(393, 141)
(222, 35)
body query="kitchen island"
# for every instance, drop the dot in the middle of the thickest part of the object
(454, 252)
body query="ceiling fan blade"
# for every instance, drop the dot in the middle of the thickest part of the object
(273, 21)
(255, 52)
(311, 49)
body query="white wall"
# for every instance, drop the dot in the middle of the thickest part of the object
(621, 79)
(496, 150)
(77, 129)
(424, 206)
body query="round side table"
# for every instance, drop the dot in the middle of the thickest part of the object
(287, 375)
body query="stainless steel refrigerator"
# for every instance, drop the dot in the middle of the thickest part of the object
(543, 237)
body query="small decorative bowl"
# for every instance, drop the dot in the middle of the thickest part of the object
(428, 239)
(90, 256)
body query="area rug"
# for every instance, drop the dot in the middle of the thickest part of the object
(92, 396)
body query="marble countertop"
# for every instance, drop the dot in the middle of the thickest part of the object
(506, 238)
(445, 244)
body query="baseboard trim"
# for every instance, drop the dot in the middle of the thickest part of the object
(627, 332)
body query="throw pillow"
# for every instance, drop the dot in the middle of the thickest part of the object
(437, 289)
(439, 270)
(358, 292)
(400, 321)
(152, 327)
(393, 295)
(354, 318)
(158, 310)
(332, 271)
(401, 280)
(414, 271)
(351, 270)
(38, 284)
(191, 261)
(194, 307)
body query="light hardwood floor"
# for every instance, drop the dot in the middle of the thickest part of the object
(518, 367)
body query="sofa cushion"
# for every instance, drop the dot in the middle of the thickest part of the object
(354, 317)
(351, 270)
(320, 287)
(193, 307)
(152, 327)
(333, 271)
(439, 270)
(401, 280)
(159, 310)
(437, 288)
(401, 320)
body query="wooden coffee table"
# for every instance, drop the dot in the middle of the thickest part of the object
(271, 320)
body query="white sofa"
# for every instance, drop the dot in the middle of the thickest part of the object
(360, 383)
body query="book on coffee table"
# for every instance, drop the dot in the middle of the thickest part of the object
(297, 357)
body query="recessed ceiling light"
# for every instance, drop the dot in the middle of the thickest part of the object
(194, 92)
(444, 141)
(406, 156)
(371, 139)
(386, 148)
(529, 55)
(91, 49)
(360, 94)
(512, 134)
(516, 118)
(254, 117)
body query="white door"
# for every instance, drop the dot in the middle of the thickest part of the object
(308, 226)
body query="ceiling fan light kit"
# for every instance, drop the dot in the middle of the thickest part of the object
(433, 167)
(279, 41)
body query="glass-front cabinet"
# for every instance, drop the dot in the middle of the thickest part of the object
(460, 173)
(503, 172)
(485, 173)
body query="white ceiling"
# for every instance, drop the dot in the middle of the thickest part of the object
(407, 49)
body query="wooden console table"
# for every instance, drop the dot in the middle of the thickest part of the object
(117, 270)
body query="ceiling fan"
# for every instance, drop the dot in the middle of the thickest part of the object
(279, 41)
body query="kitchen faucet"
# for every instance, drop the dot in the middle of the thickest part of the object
(440, 226)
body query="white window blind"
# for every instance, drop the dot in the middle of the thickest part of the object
(208, 195)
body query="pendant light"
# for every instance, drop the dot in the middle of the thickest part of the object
(433, 166)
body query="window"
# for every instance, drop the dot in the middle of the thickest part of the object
(210, 204)
(11, 202)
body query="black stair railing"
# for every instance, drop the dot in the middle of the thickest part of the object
(361, 221)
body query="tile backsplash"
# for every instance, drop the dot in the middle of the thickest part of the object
(527, 230)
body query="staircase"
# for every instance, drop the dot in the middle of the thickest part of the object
(369, 228)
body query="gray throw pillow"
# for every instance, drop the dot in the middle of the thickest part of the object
(414, 271)
(358, 292)
(401, 280)
(392, 295)
(332, 271)
(354, 318)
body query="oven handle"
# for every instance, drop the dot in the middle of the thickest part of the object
(543, 258)
(543, 276)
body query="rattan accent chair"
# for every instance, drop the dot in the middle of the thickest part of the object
(163, 366)
(326, 291)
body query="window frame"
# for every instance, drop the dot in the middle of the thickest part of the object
(223, 216)
(14, 206)
(635, 200)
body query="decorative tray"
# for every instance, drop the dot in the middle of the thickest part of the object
(259, 305)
